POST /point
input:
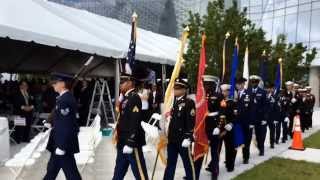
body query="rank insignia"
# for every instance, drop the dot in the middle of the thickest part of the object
(135, 109)
(193, 112)
(65, 111)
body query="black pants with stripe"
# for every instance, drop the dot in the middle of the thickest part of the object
(175, 149)
(135, 160)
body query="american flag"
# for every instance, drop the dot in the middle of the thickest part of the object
(132, 46)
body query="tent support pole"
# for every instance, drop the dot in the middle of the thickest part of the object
(164, 71)
(116, 80)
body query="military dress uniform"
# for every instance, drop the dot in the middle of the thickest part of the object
(294, 108)
(310, 104)
(130, 139)
(180, 135)
(283, 104)
(228, 113)
(63, 136)
(272, 116)
(258, 98)
(244, 105)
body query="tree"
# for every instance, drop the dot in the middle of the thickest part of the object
(217, 22)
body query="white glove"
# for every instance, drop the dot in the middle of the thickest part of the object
(228, 127)
(275, 122)
(251, 126)
(60, 152)
(286, 119)
(216, 131)
(47, 125)
(186, 143)
(127, 150)
(263, 122)
(293, 100)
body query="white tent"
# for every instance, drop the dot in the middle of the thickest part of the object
(55, 25)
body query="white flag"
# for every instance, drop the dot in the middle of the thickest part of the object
(246, 66)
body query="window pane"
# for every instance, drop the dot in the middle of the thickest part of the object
(316, 5)
(303, 27)
(279, 12)
(292, 10)
(305, 7)
(291, 25)
(267, 26)
(292, 2)
(278, 27)
(255, 2)
(315, 26)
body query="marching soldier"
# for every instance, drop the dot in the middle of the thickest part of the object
(311, 101)
(228, 112)
(293, 95)
(244, 105)
(271, 112)
(258, 98)
(304, 110)
(130, 135)
(63, 140)
(180, 132)
(211, 83)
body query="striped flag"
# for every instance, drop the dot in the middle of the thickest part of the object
(132, 46)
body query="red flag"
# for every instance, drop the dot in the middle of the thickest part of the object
(201, 140)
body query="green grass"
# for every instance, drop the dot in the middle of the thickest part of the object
(282, 169)
(313, 141)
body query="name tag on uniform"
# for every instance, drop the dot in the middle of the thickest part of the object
(19, 121)
(259, 94)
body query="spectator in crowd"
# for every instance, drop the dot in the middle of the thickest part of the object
(48, 98)
(144, 96)
(23, 106)
(84, 102)
(155, 97)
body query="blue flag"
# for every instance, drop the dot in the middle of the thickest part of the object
(234, 71)
(277, 82)
(262, 68)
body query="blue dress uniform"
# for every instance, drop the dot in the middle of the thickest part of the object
(244, 117)
(294, 108)
(130, 134)
(258, 98)
(64, 135)
(310, 98)
(228, 113)
(180, 129)
(272, 114)
(283, 104)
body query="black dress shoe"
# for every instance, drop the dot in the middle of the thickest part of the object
(230, 169)
(246, 161)
(272, 146)
(261, 153)
(208, 169)
(283, 141)
(277, 142)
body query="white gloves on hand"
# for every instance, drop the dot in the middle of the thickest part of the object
(251, 126)
(127, 150)
(228, 127)
(293, 100)
(263, 122)
(60, 152)
(47, 125)
(216, 131)
(186, 143)
(286, 119)
(275, 122)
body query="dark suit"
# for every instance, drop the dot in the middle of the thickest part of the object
(64, 135)
(22, 133)
(84, 104)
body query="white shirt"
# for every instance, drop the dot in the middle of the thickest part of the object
(144, 99)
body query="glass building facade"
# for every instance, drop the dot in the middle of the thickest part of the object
(160, 16)
(299, 20)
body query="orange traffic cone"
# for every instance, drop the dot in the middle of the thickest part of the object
(297, 143)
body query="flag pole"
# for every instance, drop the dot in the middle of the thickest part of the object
(169, 98)
(224, 56)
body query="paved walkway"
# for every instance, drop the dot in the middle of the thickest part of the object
(102, 168)
(309, 154)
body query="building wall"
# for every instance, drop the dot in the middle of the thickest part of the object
(299, 20)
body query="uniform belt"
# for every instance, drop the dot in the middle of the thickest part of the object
(213, 114)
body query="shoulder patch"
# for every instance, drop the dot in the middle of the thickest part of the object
(135, 109)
